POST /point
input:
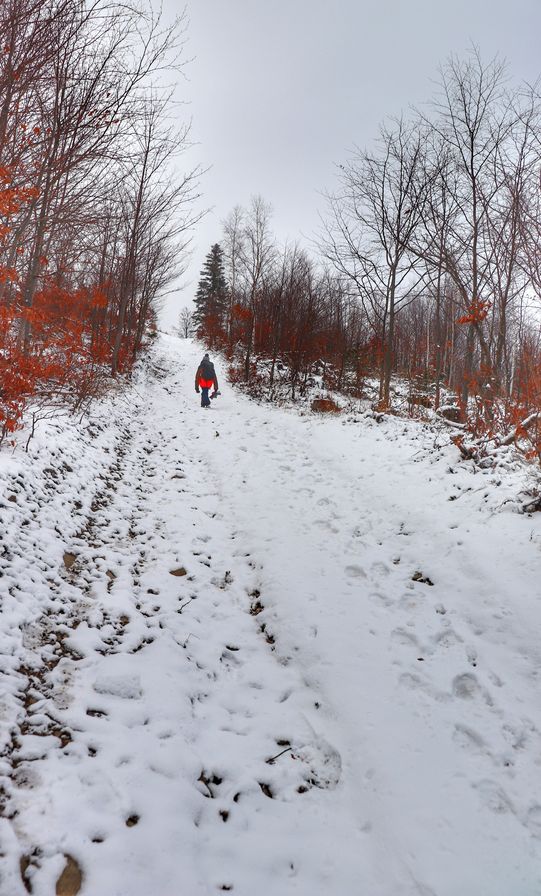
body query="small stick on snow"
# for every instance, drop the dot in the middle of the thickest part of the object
(272, 759)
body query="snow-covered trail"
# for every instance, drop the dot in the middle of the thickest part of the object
(430, 691)
(251, 651)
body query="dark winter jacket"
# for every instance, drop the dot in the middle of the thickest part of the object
(206, 375)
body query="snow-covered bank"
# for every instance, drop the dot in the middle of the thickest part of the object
(249, 651)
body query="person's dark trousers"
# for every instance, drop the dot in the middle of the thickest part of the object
(205, 400)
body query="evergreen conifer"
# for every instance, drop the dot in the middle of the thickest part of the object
(211, 295)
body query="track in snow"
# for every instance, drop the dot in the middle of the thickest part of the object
(261, 654)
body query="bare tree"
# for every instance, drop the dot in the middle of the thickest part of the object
(372, 222)
(256, 254)
(233, 227)
(83, 124)
(186, 327)
(473, 119)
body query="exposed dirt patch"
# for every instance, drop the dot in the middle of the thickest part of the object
(25, 863)
(70, 881)
(69, 559)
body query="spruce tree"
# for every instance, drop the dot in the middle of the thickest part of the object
(211, 295)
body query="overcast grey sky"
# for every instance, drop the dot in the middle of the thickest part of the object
(280, 90)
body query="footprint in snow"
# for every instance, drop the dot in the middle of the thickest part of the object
(521, 735)
(446, 637)
(355, 572)
(409, 602)
(467, 687)
(323, 763)
(494, 797)
(326, 524)
(495, 679)
(415, 683)
(533, 820)
(384, 599)
(405, 638)
(325, 502)
(229, 657)
(469, 739)
(360, 531)
(379, 569)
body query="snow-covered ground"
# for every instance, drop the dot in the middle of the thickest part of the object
(255, 652)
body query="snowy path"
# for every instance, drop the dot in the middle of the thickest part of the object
(210, 590)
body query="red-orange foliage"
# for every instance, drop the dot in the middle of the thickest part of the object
(240, 313)
(63, 356)
(12, 198)
(83, 132)
(477, 312)
(66, 343)
(526, 401)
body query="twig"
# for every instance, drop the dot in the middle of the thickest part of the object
(273, 758)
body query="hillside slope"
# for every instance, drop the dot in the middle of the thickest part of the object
(249, 651)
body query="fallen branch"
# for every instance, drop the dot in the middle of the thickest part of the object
(512, 436)
(451, 422)
(532, 506)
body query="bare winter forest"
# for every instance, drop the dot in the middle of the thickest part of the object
(427, 266)
(94, 213)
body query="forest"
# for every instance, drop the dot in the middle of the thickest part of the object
(94, 212)
(427, 267)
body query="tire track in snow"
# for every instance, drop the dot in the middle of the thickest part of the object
(160, 698)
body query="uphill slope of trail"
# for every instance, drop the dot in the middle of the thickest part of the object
(246, 650)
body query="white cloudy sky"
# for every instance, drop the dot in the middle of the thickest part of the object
(280, 90)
